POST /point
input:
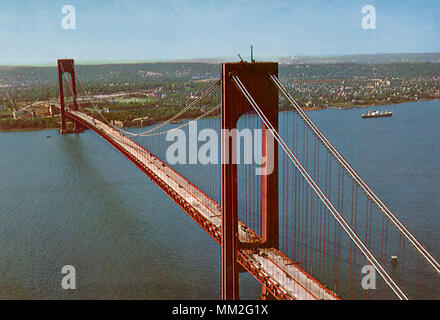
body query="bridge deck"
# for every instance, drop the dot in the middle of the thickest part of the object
(283, 278)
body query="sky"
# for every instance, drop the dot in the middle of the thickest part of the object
(147, 30)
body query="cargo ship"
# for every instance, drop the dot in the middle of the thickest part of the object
(377, 114)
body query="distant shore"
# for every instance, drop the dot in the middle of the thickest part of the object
(379, 103)
(334, 107)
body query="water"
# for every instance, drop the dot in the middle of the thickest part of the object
(74, 200)
(398, 157)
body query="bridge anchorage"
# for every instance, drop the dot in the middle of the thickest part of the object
(309, 227)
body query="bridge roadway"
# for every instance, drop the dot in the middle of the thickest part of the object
(283, 278)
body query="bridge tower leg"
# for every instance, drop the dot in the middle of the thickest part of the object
(255, 77)
(67, 65)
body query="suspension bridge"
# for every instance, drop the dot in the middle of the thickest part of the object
(306, 227)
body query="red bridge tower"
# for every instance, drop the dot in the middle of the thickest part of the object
(255, 77)
(66, 65)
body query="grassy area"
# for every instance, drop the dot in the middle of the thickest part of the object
(134, 101)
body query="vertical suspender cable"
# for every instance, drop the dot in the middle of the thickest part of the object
(355, 238)
(368, 191)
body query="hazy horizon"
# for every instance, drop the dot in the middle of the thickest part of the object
(216, 60)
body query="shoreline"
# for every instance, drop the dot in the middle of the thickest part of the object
(331, 107)
(26, 129)
(382, 104)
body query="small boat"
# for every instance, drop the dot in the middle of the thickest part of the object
(377, 114)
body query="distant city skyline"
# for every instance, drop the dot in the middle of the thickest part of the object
(132, 30)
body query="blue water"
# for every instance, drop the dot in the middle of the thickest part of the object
(398, 157)
(74, 200)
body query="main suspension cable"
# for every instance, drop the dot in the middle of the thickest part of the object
(367, 190)
(148, 132)
(353, 236)
(177, 115)
(183, 125)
